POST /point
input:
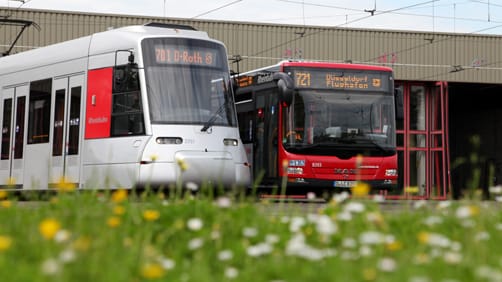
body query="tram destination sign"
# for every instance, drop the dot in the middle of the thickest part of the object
(185, 55)
(340, 79)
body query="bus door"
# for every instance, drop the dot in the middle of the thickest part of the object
(265, 160)
(66, 151)
(13, 132)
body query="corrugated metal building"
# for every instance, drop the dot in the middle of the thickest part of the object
(450, 81)
(413, 55)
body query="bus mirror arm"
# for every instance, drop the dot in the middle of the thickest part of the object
(235, 85)
(285, 87)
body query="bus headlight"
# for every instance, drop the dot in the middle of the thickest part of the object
(295, 170)
(230, 142)
(391, 172)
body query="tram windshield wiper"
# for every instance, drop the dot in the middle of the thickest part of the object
(213, 117)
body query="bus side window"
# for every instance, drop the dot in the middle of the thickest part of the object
(127, 110)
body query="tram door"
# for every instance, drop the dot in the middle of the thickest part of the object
(13, 134)
(66, 129)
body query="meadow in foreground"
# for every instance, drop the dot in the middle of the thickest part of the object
(115, 236)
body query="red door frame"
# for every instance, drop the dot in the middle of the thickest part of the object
(437, 169)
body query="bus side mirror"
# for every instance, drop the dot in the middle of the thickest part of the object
(398, 97)
(285, 87)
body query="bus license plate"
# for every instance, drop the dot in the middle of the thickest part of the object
(344, 183)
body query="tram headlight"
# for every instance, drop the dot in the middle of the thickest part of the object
(230, 142)
(169, 140)
(391, 172)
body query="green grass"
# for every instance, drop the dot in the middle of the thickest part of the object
(98, 236)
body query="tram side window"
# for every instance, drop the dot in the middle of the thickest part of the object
(127, 110)
(39, 111)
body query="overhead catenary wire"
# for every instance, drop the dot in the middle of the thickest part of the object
(404, 50)
(341, 25)
(16, 8)
(216, 9)
(347, 22)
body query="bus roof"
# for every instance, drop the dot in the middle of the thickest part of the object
(317, 64)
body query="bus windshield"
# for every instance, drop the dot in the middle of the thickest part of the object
(188, 82)
(320, 120)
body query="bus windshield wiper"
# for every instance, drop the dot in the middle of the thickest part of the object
(374, 143)
(213, 117)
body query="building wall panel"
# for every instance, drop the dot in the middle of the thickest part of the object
(413, 55)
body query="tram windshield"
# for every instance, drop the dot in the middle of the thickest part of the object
(188, 82)
(323, 122)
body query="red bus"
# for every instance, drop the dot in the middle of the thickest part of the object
(319, 127)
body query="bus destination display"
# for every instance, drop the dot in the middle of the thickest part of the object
(346, 80)
(165, 54)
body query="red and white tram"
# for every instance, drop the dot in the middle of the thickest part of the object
(124, 108)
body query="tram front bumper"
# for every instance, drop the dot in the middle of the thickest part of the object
(202, 168)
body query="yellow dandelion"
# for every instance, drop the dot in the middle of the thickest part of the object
(411, 190)
(179, 224)
(5, 204)
(11, 181)
(82, 243)
(119, 196)
(118, 210)
(467, 211)
(54, 200)
(49, 227)
(64, 185)
(474, 210)
(360, 190)
(308, 231)
(5, 243)
(421, 258)
(182, 164)
(113, 221)
(423, 237)
(376, 218)
(3, 194)
(151, 215)
(152, 271)
(394, 246)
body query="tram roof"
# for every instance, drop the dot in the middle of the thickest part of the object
(98, 43)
